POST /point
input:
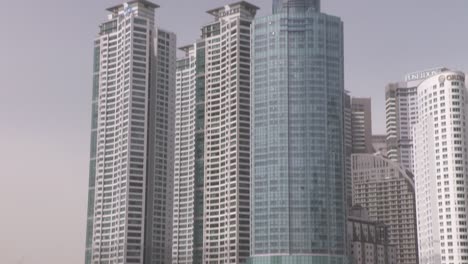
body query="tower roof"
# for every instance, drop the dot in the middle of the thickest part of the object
(216, 11)
(144, 2)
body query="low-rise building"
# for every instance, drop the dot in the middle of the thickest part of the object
(368, 241)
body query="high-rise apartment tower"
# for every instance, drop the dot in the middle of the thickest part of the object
(223, 74)
(212, 169)
(401, 110)
(298, 185)
(189, 156)
(441, 169)
(130, 180)
(361, 125)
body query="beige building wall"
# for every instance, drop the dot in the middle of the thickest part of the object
(387, 192)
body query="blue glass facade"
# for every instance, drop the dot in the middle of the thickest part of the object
(298, 184)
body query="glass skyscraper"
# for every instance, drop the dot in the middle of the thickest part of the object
(298, 210)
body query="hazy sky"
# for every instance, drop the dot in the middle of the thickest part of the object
(45, 84)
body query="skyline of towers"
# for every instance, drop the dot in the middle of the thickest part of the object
(298, 205)
(241, 150)
(130, 179)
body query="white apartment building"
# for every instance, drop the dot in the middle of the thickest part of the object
(189, 157)
(226, 225)
(401, 115)
(184, 160)
(441, 169)
(130, 186)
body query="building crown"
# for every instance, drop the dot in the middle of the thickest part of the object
(279, 5)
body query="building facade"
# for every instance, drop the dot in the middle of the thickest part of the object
(441, 170)
(379, 143)
(386, 191)
(298, 206)
(226, 226)
(361, 125)
(189, 156)
(212, 169)
(368, 240)
(402, 114)
(348, 139)
(130, 184)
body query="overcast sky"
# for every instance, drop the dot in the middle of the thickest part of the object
(45, 100)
